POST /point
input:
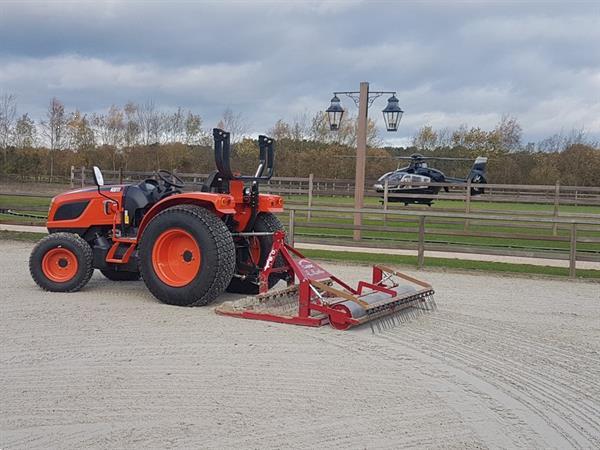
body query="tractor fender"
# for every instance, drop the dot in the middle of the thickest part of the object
(220, 204)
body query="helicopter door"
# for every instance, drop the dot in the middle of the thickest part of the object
(413, 178)
(394, 180)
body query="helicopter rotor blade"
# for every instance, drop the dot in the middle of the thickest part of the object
(437, 158)
(410, 158)
(368, 156)
(449, 158)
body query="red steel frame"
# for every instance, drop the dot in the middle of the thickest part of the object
(311, 276)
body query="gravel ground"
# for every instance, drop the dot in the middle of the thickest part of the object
(505, 362)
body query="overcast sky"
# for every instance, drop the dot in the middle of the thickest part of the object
(466, 62)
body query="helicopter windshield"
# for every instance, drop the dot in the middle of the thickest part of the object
(391, 177)
(384, 176)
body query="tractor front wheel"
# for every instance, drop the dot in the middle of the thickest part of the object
(187, 256)
(61, 262)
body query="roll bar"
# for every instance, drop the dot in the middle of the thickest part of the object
(264, 171)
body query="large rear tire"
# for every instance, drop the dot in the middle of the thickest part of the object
(187, 256)
(258, 250)
(61, 262)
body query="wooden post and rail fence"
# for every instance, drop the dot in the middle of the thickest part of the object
(311, 188)
(527, 228)
(571, 237)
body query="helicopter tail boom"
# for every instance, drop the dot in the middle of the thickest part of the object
(479, 167)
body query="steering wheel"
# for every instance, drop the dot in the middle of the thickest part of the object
(170, 179)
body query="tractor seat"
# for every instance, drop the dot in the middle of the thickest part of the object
(140, 197)
(212, 183)
(151, 190)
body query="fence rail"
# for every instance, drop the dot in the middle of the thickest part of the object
(574, 238)
(423, 230)
(330, 187)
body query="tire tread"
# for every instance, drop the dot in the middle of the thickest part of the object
(225, 251)
(76, 241)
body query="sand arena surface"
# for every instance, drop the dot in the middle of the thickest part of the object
(505, 362)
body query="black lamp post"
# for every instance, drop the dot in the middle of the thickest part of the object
(391, 114)
(335, 112)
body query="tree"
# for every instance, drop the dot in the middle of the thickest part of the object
(345, 135)
(109, 129)
(508, 134)
(300, 128)
(319, 128)
(426, 138)
(235, 124)
(194, 135)
(25, 134)
(174, 125)
(8, 113)
(281, 130)
(561, 141)
(131, 125)
(80, 134)
(150, 122)
(54, 128)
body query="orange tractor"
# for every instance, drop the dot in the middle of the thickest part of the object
(189, 247)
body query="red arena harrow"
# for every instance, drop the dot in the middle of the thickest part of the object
(320, 297)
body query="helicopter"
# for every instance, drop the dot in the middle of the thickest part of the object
(419, 171)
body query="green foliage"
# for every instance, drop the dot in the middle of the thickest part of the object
(140, 137)
(444, 263)
(578, 165)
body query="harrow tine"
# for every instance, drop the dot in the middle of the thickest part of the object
(408, 312)
(384, 304)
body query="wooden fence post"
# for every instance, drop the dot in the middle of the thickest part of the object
(468, 203)
(120, 175)
(72, 177)
(573, 252)
(82, 176)
(421, 243)
(386, 187)
(556, 205)
(290, 234)
(310, 195)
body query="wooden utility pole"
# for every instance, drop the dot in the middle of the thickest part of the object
(361, 157)
(391, 114)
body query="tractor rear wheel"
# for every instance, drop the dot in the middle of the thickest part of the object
(255, 255)
(61, 262)
(120, 275)
(187, 256)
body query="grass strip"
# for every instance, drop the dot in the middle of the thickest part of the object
(448, 263)
(400, 260)
(23, 236)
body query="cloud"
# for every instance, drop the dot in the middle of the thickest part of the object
(469, 62)
(80, 73)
